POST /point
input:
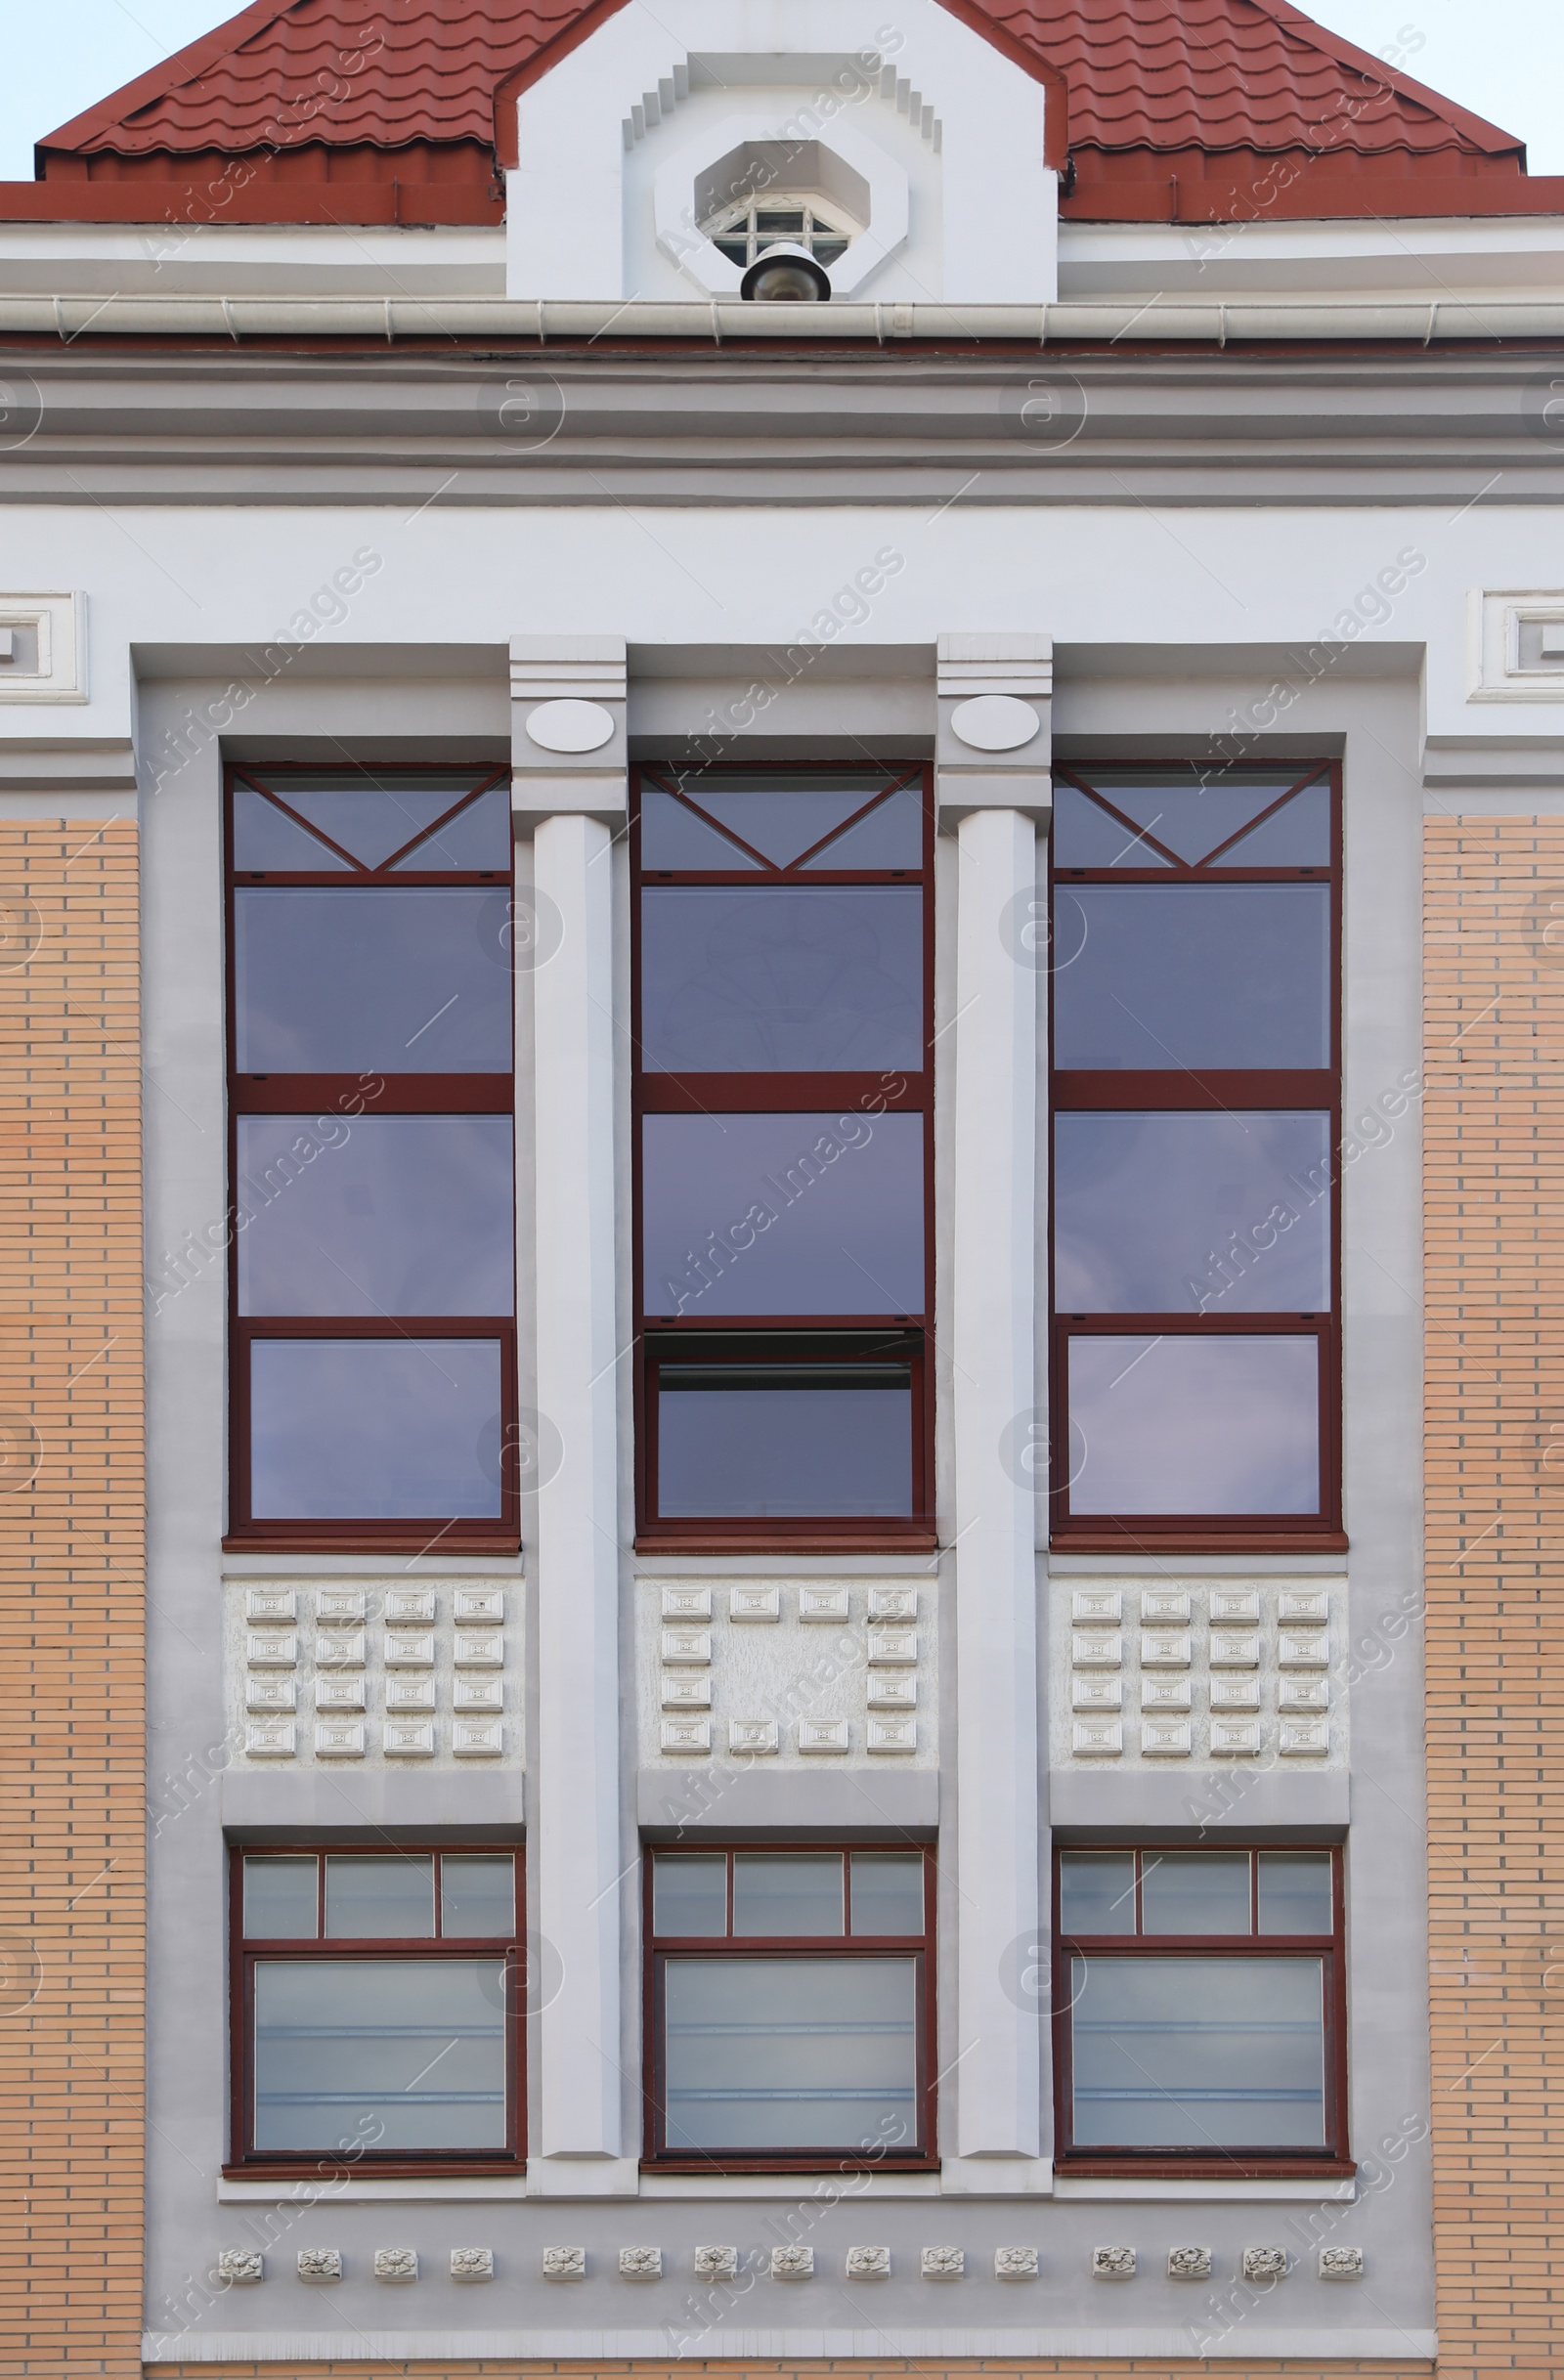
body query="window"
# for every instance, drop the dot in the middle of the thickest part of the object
(376, 2008)
(746, 231)
(790, 2000)
(783, 1155)
(1196, 1362)
(1199, 2015)
(373, 1210)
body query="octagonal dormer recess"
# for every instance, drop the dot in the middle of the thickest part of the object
(748, 182)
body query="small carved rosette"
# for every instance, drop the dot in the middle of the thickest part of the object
(320, 2264)
(1015, 2264)
(1189, 2264)
(1341, 2263)
(791, 2264)
(641, 2264)
(240, 2265)
(564, 2264)
(944, 2264)
(1265, 2264)
(717, 2264)
(472, 2263)
(1113, 2264)
(396, 2264)
(868, 2264)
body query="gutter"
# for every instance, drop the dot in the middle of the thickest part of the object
(539, 321)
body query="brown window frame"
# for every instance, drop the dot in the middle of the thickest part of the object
(244, 1952)
(1110, 1091)
(353, 1095)
(656, 2157)
(818, 1338)
(1334, 2160)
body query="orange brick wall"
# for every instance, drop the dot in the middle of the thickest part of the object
(1494, 1205)
(71, 1821)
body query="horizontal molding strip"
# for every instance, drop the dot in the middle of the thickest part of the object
(452, 2349)
(540, 320)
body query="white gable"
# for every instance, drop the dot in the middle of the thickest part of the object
(913, 136)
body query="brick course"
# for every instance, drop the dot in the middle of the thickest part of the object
(71, 1499)
(1495, 1461)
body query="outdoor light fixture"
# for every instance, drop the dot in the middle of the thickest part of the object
(786, 274)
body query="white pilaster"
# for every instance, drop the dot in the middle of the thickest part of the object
(999, 2075)
(575, 1839)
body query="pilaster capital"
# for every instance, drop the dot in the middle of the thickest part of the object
(995, 736)
(567, 728)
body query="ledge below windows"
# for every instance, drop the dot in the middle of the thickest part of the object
(1196, 1546)
(773, 1540)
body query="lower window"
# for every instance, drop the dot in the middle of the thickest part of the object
(789, 2008)
(376, 2013)
(1200, 2017)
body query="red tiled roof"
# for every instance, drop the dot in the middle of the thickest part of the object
(1163, 95)
(1229, 74)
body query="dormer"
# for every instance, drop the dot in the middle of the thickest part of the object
(912, 160)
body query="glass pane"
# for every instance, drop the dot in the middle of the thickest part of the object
(407, 981)
(1086, 837)
(376, 1214)
(478, 837)
(1096, 1892)
(798, 1893)
(1295, 1892)
(1298, 835)
(378, 1897)
(373, 818)
(689, 1895)
(780, 813)
(886, 1892)
(673, 837)
(478, 1894)
(1190, 810)
(1195, 1425)
(775, 2053)
(279, 1899)
(890, 837)
(1192, 975)
(1194, 1893)
(762, 1441)
(757, 981)
(1198, 2054)
(265, 837)
(379, 2053)
(375, 1429)
(782, 1214)
(1199, 1214)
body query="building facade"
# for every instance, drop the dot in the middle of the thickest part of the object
(760, 768)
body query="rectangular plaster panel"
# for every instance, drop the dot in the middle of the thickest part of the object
(787, 1674)
(374, 1674)
(1178, 1674)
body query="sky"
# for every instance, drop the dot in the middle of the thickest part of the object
(1503, 59)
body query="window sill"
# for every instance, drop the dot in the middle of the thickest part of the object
(827, 2162)
(1215, 2173)
(1282, 2190)
(370, 1541)
(1114, 1539)
(773, 1540)
(371, 2190)
(334, 2175)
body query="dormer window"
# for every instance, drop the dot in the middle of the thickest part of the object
(744, 231)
